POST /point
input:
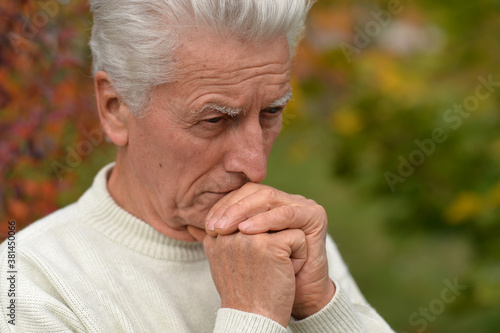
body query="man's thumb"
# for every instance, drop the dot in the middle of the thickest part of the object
(197, 233)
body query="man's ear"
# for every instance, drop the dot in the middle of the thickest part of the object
(113, 112)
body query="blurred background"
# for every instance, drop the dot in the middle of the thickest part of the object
(394, 129)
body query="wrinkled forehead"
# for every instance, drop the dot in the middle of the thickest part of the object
(212, 68)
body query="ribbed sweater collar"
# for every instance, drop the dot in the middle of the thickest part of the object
(101, 212)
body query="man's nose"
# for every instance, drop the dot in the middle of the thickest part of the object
(247, 152)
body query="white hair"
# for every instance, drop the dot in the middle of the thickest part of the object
(134, 41)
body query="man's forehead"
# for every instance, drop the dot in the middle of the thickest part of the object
(230, 76)
(212, 57)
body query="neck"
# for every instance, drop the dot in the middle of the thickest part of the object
(133, 196)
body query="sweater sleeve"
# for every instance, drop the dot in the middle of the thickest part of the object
(231, 320)
(348, 311)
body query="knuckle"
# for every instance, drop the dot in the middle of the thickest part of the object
(311, 202)
(299, 197)
(321, 215)
(288, 212)
(320, 209)
(269, 193)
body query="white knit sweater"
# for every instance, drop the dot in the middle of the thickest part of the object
(93, 267)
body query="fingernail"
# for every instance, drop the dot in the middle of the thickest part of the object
(210, 223)
(243, 226)
(221, 223)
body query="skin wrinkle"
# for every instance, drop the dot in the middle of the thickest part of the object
(227, 81)
(199, 93)
(200, 98)
(228, 76)
(235, 71)
(221, 108)
(229, 85)
(220, 98)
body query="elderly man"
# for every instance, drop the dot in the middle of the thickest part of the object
(179, 235)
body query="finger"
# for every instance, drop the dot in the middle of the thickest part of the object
(295, 240)
(215, 214)
(263, 199)
(197, 233)
(211, 232)
(234, 196)
(285, 217)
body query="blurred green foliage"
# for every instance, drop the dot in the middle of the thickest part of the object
(403, 97)
(379, 132)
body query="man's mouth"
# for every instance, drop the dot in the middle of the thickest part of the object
(223, 189)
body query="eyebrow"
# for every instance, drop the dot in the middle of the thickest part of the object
(232, 112)
(283, 100)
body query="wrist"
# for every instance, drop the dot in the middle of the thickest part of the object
(276, 314)
(314, 303)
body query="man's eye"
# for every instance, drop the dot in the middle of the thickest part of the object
(214, 120)
(274, 110)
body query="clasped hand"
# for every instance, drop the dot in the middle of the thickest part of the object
(266, 250)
